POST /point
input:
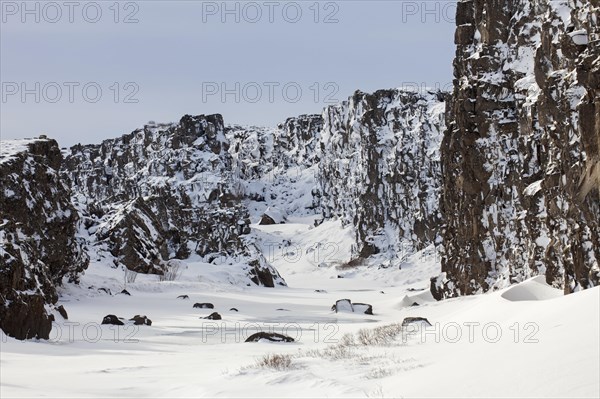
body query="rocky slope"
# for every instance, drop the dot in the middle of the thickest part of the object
(277, 166)
(521, 160)
(165, 191)
(380, 170)
(38, 241)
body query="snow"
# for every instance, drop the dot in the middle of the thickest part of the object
(580, 37)
(533, 188)
(520, 334)
(534, 289)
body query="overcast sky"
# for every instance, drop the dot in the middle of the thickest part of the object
(254, 62)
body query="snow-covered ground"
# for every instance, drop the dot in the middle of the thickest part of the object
(526, 341)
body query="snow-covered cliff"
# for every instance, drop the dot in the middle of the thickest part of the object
(380, 170)
(38, 237)
(521, 159)
(165, 191)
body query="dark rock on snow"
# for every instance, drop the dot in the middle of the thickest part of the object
(269, 336)
(141, 320)
(213, 316)
(410, 320)
(112, 319)
(204, 306)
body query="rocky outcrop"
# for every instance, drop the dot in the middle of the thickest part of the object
(298, 141)
(521, 160)
(380, 170)
(163, 192)
(38, 241)
(135, 237)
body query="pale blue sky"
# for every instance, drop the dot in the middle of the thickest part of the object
(178, 50)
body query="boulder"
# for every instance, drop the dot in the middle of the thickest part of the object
(112, 319)
(345, 305)
(213, 316)
(419, 320)
(183, 297)
(141, 320)
(204, 306)
(342, 305)
(363, 308)
(272, 216)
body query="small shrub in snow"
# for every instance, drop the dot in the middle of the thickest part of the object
(383, 335)
(275, 361)
(379, 372)
(347, 340)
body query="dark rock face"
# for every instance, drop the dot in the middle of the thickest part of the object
(135, 237)
(269, 336)
(521, 155)
(299, 140)
(380, 170)
(163, 192)
(38, 239)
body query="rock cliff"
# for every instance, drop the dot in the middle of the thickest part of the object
(520, 159)
(38, 237)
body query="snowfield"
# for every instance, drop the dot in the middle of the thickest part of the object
(525, 341)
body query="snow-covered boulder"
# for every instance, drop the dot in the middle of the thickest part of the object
(272, 216)
(364, 308)
(345, 305)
